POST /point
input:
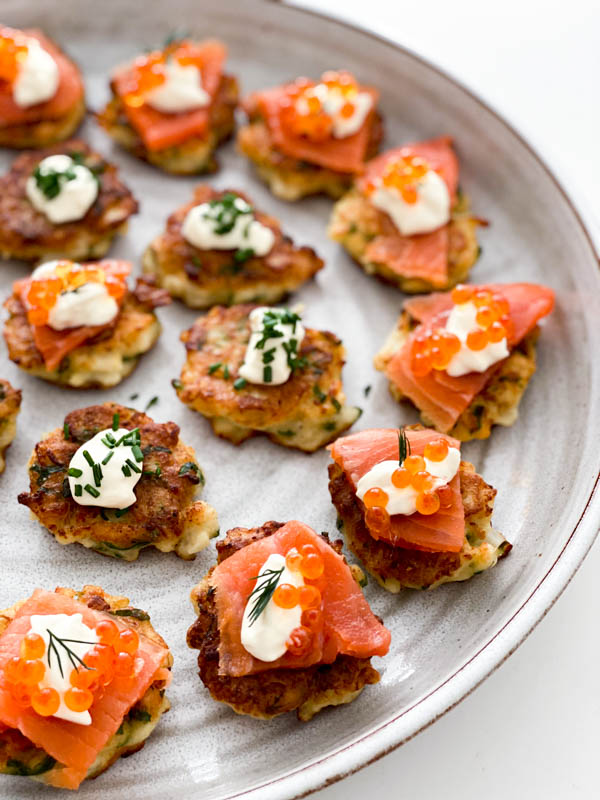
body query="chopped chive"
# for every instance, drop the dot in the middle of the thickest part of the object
(108, 457)
(176, 384)
(152, 402)
(226, 372)
(133, 466)
(239, 383)
(97, 472)
(319, 393)
(214, 367)
(137, 452)
(90, 490)
(66, 431)
(73, 472)
(267, 374)
(126, 471)
(116, 420)
(105, 441)
(134, 396)
(88, 458)
(78, 490)
(120, 512)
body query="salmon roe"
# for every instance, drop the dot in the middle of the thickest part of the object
(309, 598)
(436, 450)
(148, 71)
(377, 520)
(312, 618)
(427, 503)
(286, 595)
(401, 478)
(32, 646)
(45, 702)
(375, 498)
(77, 699)
(13, 51)
(402, 175)
(299, 641)
(303, 113)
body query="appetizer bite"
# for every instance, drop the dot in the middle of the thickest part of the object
(173, 107)
(63, 201)
(464, 358)
(80, 325)
(10, 405)
(82, 683)
(219, 249)
(41, 91)
(253, 369)
(414, 513)
(406, 221)
(117, 482)
(283, 624)
(310, 137)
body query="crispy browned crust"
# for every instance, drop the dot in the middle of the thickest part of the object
(28, 234)
(274, 691)
(10, 405)
(313, 394)
(164, 502)
(195, 155)
(44, 132)
(173, 260)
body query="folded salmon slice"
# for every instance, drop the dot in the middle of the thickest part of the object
(439, 396)
(160, 130)
(75, 747)
(349, 626)
(443, 531)
(69, 92)
(340, 155)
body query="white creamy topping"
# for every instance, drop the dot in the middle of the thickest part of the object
(38, 77)
(431, 210)
(181, 91)
(276, 335)
(266, 637)
(227, 224)
(461, 322)
(118, 478)
(64, 626)
(404, 501)
(77, 189)
(89, 304)
(332, 102)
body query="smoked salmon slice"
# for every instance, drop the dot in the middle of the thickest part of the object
(349, 627)
(340, 155)
(160, 130)
(75, 747)
(441, 398)
(68, 94)
(443, 531)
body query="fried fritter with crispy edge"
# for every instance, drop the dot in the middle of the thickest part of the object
(10, 405)
(27, 234)
(20, 756)
(164, 515)
(305, 413)
(276, 691)
(204, 278)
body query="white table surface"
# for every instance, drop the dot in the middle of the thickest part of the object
(532, 729)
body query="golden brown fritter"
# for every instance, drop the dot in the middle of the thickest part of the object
(496, 404)
(274, 691)
(290, 178)
(20, 756)
(10, 405)
(194, 156)
(28, 234)
(46, 132)
(203, 278)
(355, 222)
(164, 515)
(102, 361)
(305, 413)
(397, 567)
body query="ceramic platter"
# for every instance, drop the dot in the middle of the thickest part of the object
(545, 467)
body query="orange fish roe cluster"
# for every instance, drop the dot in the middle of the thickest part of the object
(434, 349)
(44, 291)
(13, 51)
(148, 71)
(303, 113)
(111, 659)
(402, 175)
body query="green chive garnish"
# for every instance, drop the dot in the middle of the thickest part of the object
(73, 472)
(239, 383)
(133, 466)
(88, 458)
(116, 420)
(267, 374)
(66, 431)
(214, 367)
(137, 452)
(90, 490)
(126, 471)
(78, 490)
(226, 372)
(108, 457)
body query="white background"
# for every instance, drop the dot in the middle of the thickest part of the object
(532, 730)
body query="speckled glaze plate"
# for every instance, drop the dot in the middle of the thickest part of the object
(545, 467)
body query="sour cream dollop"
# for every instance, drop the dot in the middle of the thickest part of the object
(38, 77)
(276, 335)
(89, 304)
(461, 321)
(64, 626)
(266, 637)
(429, 212)
(404, 501)
(120, 468)
(332, 102)
(227, 224)
(181, 91)
(78, 189)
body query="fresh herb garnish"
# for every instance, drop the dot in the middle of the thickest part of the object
(55, 642)
(243, 255)
(224, 212)
(134, 396)
(226, 372)
(319, 393)
(367, 390)
(152, 402)
(50, 181)
(73, 472)
(239, 383)
(136, 613)
(266, 583)
(214, 367)
(78, 490)
(189, 466)
(108, 457)
(403, 446)
(91, 490)
(137, 453)
(44, 473)
(176, 384)
(66, 431)
(116, 421)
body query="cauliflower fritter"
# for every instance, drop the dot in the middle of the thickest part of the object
(496, 404)
(164, 515)
(290, 178)
(103, 361)
(203, 278)
(395, 568)
(276, 691)
(305, 413)
(20, 756)
(355, 222)
(194, 156)
(10, 405)
(28, 234)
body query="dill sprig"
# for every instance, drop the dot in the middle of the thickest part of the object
(403, 446)
(55, 642)
(266, 583)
